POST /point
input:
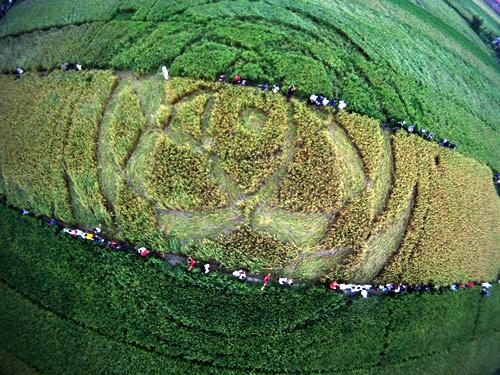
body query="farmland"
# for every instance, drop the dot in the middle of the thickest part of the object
(85, 309)
(435, 72)
(245, 178)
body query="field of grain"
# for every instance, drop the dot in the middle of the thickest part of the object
(245, 178)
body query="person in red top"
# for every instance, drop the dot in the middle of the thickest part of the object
(192, 263)
(461, 285)
(266, 280)
(334, 285)
(236, 80)
(471, 284)
(143, 252)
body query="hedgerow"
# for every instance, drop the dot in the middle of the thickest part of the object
(85, 295)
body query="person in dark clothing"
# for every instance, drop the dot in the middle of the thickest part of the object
(290, 91)
(222, 78)
(18, 72)
(98, 240)
(485, 293)
(444, 142)
(496, 179)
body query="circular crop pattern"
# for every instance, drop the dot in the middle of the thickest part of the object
(247, 179)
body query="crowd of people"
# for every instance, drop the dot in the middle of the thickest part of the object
(394, 126)
(315, 99)
(274, 88)
(365, 290)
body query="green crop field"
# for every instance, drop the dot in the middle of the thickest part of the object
(70, 307)
(247, 179)
(434, 71)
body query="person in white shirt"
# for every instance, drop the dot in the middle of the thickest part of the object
(283, 280)
(342, 104)
(164, 70)
(237, 273)
(207, 267)
(364, 293)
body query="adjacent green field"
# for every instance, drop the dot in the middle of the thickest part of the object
(435, 71)
(73, 307)
(245, 178)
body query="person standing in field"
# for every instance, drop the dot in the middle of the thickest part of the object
(192, 263)
(165, 73)
(266, 280)
(334, 285)
(290, 92)
(143, 252)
